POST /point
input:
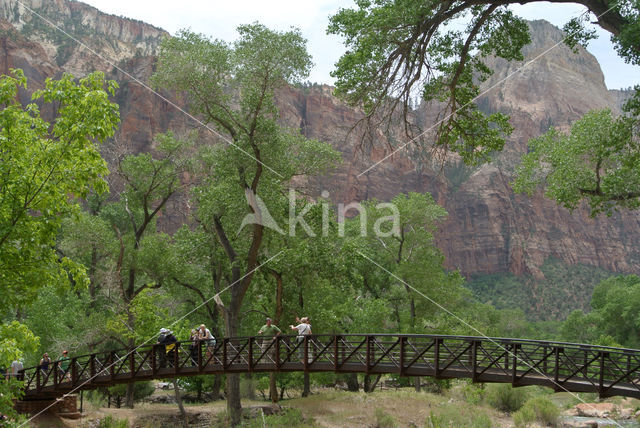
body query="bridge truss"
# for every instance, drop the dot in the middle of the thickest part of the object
(561, 366)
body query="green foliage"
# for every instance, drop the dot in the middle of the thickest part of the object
(506, 398)
(564, 289)
(112, 422)
(598, 161)
(383, 419)
(44, 165)
(141, 390)
(473, 393)
(537, 409)
(456, 416)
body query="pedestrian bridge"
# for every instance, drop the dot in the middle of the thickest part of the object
(561, 366)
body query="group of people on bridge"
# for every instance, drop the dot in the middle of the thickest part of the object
(166, 347)
(166, 342)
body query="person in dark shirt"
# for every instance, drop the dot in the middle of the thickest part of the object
(167, 347)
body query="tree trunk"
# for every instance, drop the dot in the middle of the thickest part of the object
(370, 386)
(273, 388)
(251, 389)
(352, 382)
(307, 385)
(176, 390)
(215, 389)
(416, 383)
(130, 386)
(234, 405)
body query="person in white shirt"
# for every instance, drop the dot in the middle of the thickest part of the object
(304, 329)
(14, 370)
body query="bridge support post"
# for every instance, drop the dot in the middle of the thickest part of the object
(336, 365)
(474, 357)
(55, 372)
(251, 354)
(154, 365)
(225, 341)
(278, 338)
(403, 340)
(306, 352)
(92, 368)
(74, 371)
(132, 362)
(112, 363)
(368, 357)
(436, 357)
(603, 356)
(556, 369)
(514, 368)
(199, 356)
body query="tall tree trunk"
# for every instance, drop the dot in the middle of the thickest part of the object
(273, 387)
(130, 386)
(352, 382)
(307, 385)
(234, 405)
(185, 417)
(416, 383)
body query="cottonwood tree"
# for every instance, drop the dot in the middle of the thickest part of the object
(44, 167)
(398, 48)
(232, 87)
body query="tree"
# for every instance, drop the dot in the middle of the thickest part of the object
(399, 48)
(597, 161)
(44, 167)
(232, 87)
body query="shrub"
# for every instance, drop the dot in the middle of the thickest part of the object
(506, 398)
(384, 420)
(111, 422)
(540, 409)
(473, 393)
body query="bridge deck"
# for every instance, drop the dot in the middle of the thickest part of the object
(562, 366)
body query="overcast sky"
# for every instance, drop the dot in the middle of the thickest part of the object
(219, 19)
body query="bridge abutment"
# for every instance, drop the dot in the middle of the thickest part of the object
(65, 407)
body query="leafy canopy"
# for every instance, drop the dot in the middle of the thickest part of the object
(401, 48)
(599, 160)
(44, 166)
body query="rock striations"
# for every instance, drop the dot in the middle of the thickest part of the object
(489, 230)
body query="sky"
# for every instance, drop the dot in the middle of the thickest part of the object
(219, 20)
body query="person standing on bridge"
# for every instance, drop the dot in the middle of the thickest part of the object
(304, 329)
(14, 370)
(44, 363)
(270, 330)
(63, 365)
(205, 335)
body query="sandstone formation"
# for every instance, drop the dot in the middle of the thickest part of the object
(489, 230)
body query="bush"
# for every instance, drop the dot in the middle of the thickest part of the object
(111, 422)
(473, 393)
(540, 409)
(506, 398)
(384, 420)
